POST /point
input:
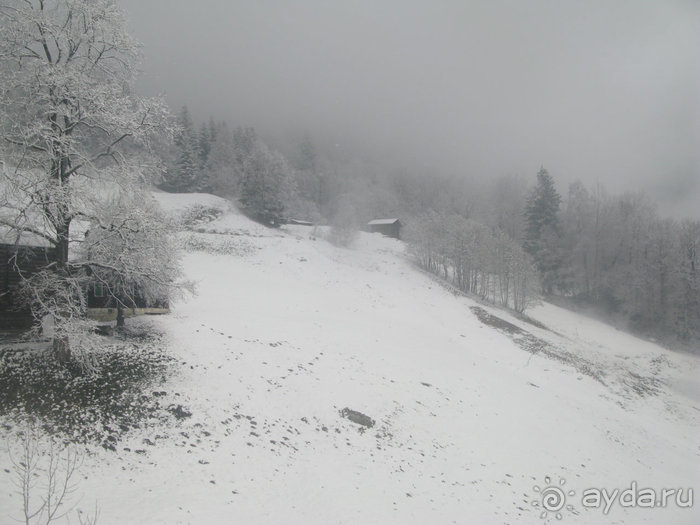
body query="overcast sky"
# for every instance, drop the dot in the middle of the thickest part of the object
(597, 90)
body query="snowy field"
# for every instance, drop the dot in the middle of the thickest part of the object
(472, 407)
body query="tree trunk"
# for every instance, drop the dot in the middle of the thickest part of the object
(120, 317)
(61, 343)
(61, 348)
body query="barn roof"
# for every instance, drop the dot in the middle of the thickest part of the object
(376, 222)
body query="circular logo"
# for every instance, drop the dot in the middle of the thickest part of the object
(552, 498)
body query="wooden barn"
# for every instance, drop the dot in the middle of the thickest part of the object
(17, 261)
(388, 227)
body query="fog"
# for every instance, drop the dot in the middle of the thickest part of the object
(595, 90)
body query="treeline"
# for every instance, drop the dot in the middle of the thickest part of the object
(306, 182)
(238, 164)
(610, 254)
(617, 254)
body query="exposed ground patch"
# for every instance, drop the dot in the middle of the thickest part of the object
(535, 345)
(121, 390)
(632, 384)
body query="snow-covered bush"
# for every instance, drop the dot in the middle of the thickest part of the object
(217, 244)
(199, 214)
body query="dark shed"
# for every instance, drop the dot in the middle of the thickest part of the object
(388, 227)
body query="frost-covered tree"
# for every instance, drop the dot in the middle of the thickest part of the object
(476, 260)
(205, 137)
(130, 251)
(222, 164)
(183, 175)
(542, 231)
(578, 239)
(503, 205)
(688, 300)
(542, 208)
(265, 178)
(309, 177)
(68, 122)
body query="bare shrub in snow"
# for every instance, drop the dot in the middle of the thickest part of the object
(45, 477)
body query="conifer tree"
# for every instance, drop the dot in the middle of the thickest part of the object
(183, 176)
(542, 232)
(265, 178)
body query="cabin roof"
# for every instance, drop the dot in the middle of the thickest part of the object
(376, 222)
(10, 236)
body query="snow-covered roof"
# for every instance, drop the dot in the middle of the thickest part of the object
(12, 236)
(178, 202)
(17, 218)
(375, 222)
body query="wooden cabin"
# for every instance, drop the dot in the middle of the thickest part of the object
(18, 262)
(388, 227)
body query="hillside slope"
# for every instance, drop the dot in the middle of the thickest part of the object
(472, 407)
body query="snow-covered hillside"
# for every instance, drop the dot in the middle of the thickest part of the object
(473, 408)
